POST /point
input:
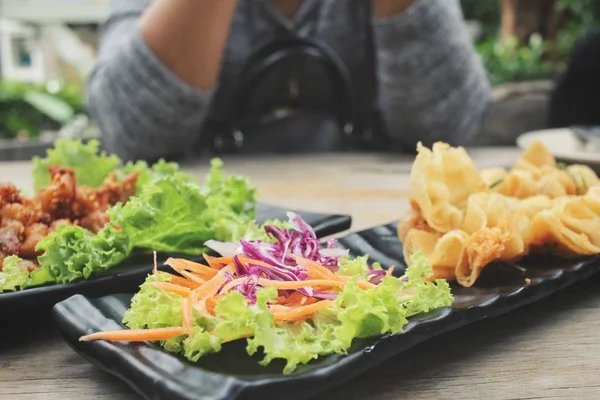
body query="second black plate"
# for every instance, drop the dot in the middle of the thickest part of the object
(231, 374)
(134, 270)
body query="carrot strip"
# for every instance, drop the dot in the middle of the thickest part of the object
(181, 264)
(211, 303)
(169, 287)
(279, 308)
(217, 262)
(137, 335)
(316, 268)
(287, 284)
(178, 280)
(193, 277)
(299, 312)
(187, 313)
(209, 289)
(294, 298)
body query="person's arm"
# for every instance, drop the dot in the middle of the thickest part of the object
(432, 83)
(158, 63)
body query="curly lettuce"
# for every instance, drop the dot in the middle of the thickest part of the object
(69, 253)
(175, 214)
(90, 165)
(14, 275)
(72, 252)
(355, 313)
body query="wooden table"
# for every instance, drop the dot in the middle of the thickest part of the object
(550, 349)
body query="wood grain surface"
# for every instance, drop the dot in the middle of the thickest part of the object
(547, 350)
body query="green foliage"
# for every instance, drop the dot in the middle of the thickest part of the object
(508, 61)
(27, 109)
(511, 61)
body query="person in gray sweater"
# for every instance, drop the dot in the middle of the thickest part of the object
(175, 77)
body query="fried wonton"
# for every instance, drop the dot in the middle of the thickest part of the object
(571, 226)
(442, 179)
(462, 219)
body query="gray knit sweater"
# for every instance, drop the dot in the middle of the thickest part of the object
(431, 83)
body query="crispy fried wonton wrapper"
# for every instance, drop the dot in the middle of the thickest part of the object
(498, 230)
(531, 206)
(463, 220)
(537, 173)
(442, 179)
(494, 228)
(443, 251)
(572, 225)
(536, 155)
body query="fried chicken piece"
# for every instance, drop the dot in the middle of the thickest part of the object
(110, 193)
(113, 191)
(27, 213)
(94, 221)
(9, 194)
(24, 222)
(10, 237)
(57, 199)
(33, 234)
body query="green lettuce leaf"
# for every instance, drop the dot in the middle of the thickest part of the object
(175, 214)
(148, 173)
(357, 267)
(153, 308)
(355, 313)
(72, 252)
(14, 275)
(90, 165)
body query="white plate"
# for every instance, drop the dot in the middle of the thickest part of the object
(563, 144)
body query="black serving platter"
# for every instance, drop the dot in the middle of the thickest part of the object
(127, 277)
(231, 374)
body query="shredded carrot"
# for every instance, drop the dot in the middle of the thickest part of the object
(193, 277)
(294, 298)
(209, 289)
(178, 280)
(300, 312)
(279, 308)
(286, 284)
(199, 284)
(316, 269)
(211, 303)
(179, 264)
(217, 262)
(187, 313)
(169, 287)
(137, 335)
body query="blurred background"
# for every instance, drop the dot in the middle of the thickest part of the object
(47, 48)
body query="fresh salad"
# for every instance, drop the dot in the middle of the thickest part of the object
(91, 211)
(285, 295)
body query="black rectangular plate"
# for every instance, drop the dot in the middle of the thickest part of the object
(231, 374)
(131, 274)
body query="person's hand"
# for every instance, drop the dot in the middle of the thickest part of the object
(388, 8)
